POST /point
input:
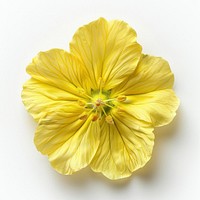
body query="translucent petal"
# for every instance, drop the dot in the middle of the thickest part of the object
(108, 49)
(69, 142)
(157, 108)
(124, 147)
(152, 73)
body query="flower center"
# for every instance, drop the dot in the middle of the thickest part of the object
(99, 106)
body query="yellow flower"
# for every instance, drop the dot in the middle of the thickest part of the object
(98, 104)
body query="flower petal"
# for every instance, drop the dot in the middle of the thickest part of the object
(152, 73)
(158, 107)
(69, 142)
(60, 69)
(108, 50)
(56, 127)
(124, 147)
(39, 98)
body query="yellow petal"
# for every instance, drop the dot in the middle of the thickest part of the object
(124, 146)
(39, 98)
(152, 73)
(157, 108)
(60, 69)
(56, 127)
(108, 49)
(69, 142)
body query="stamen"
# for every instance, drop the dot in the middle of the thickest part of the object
(86, 114)
(108, 105)
(99, 102)
(109, 100)
(121, 98)
(100, 117)
(109, 119)
(103, 111)
(95, 117)
(90, 106)
(90, 111)
(120, 110)
(81, 102)
(83, 117)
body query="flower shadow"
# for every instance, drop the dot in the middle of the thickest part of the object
(86, 177)
(162, 134)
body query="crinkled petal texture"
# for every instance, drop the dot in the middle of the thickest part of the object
(57, 78)
(149, 92)
(152, 73)
(69, 143)
(108, 49)
(124, 147)
(157, 108)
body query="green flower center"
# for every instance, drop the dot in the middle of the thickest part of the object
(99, 105)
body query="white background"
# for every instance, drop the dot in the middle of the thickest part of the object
(170, 29)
